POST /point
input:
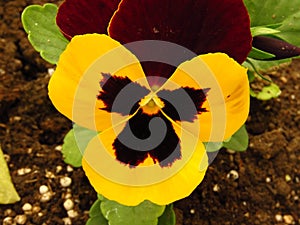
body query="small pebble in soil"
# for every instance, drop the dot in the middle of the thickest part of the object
(283, 79)
(36, 209)
(288, 178)
(65, 181)
(67, 195)
(8, 221)
(288, 219)
(247, 214)
(58, 148)
(67, 221)
(58, 168)
(49, 174)
(2, 71)
(278, 218)
(233, 174)
(29, 150)
(268, 180)
(192, 211)
(6, 157)
(46, 197)
(23, 171)
(297, 179)
(43, 189)
(17, 118)
(68, 204)
(20, 219)
(230, 151)
(69, 168)
(8, 212)
(72, 213)
(27, 207)
(50, 71)
(216, 188)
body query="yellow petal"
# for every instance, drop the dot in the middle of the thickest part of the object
(131, 186)
(227, 100)
(74, 86)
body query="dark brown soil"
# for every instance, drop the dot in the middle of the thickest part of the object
(266, 192)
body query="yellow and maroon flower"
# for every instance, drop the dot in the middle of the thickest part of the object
(153, 116)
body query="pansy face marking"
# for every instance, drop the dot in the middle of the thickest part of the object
(136, 142)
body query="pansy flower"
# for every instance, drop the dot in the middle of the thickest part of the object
(154, 109)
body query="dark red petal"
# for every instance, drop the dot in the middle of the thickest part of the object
(76, 17)
(165, 153)
(280, 48)
(202, 26)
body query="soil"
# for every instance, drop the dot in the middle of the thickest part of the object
(266, 191)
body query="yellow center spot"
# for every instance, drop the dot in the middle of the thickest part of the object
(151, 104)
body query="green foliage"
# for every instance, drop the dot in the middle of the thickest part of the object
(259, 54)
(8, 194)
(239, 140)
(290, 28)
(168, 217)
(75, 143)
(213, 146)
(96, 216)
(283, 14)
(43, 33)
(146, 213)
(268, 12)
(258, 31)
(275, 18)
(268, 92)
(263, 66)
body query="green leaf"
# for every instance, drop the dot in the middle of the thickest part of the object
(290, 29)
(269, 92)
(263, 66)
(97, 220)
(96, 216)
(75, 143)
(168, 217)
(146, 213)
(213, 146)
(239, 140)
(267, 12)
(43, 33)
(71, 153)
(259, 54)
(257, 31)
(100, 197)
(95, 209)
(8, 193)
(251, 76)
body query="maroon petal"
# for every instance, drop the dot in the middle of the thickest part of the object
(202, 26)
(76, 17)
(280, 48)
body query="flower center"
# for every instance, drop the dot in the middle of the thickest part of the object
(151, 104)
